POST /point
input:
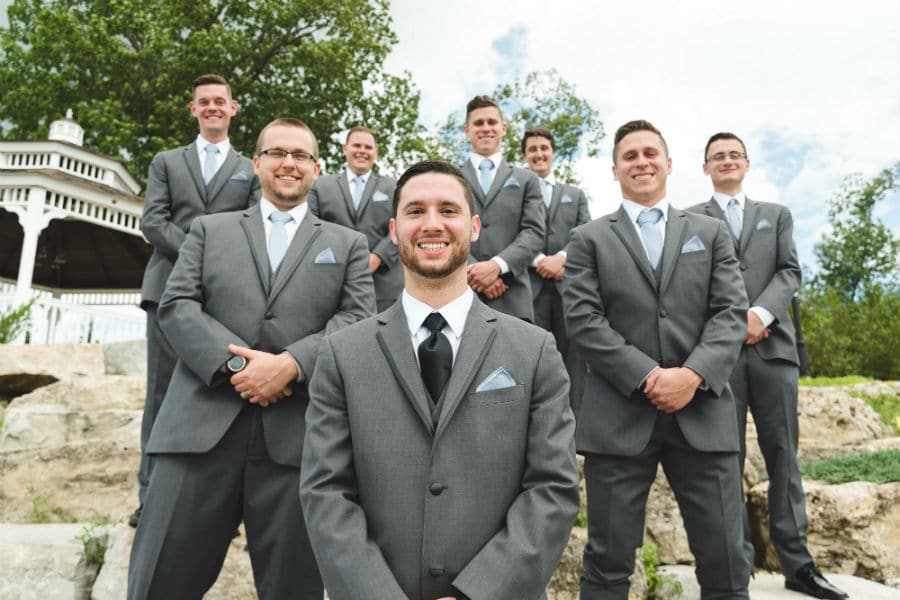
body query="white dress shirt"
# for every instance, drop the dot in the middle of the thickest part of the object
(454, 312)
(224, 146)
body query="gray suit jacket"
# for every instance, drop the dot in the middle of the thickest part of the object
(400, 507)
(624, 323)
(568, 210)
(176, 195)
(770, 268)
(512, 227)
(221, 293)
(332, 200)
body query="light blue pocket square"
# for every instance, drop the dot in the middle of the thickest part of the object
(497, 380)
(240, 176)
(380, 196)
(763, 224)
(325, 257)
(694, 244)
(511, 182)
(566, 199)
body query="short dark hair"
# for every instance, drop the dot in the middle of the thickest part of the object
(723, 135)
(210, 79)
(637, 125)
(538, 132)
(481, 102)
(288, 122)
(361, 129)
(434, 166)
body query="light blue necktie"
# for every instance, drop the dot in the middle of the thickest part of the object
(358, 185)
(647, 220)
(485, 176)
(278, 237)
(548, 192)
(209, 163)
(735, 218)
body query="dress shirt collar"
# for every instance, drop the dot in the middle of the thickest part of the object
(722, 200)
(351, 175)
(454, 312)
(634, 209)
(477, 158)
(267, 208)
(224, 146)
(550, 179)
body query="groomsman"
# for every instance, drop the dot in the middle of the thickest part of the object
(765, 377)
(509, 203)
(359, 198)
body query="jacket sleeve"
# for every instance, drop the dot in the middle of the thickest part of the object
(156, 221)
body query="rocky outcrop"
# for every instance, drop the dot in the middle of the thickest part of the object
(26, 368)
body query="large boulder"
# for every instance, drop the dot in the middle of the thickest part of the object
(26, 368)
(126, 358)
(833, 422)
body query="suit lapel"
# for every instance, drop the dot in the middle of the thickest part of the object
(472, 177)
(714, 210)
(748, 225)
(675, 232)
(223, 174)
(503, 171)
(396, 344)
(307, 232)
(476, 340)
(622, 227)
(193, 166)
(366, 196)
(348, 195)
(555, 199)
(256, 235)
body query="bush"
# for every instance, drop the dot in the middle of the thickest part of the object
(877, 467)
(14, 321)
(886, 405)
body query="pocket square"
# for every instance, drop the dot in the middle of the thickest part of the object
(240, 176)
(763, 224)
(511, 182)
(380, 196)
(695, 244)
(566, 199)
(497, 380)
(325, 257)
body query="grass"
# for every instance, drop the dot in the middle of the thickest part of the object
(95, 540)
(886, 405)
(656, 582)
(877, 467)
(42, 512)
(833, 381)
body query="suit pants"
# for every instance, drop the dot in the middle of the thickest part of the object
(161, 359)
(548, 314)
(707, 487)
(195, 502)
(769, 389)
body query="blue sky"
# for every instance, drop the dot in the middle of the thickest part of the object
(812, 87)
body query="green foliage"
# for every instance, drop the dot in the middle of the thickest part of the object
(832, 381)
(657, 582)
(581, 519)
(126, 71)
(886, 405)
(540, 98)
(14, 321)
(95, 539)
(42, 512)
(877, 467)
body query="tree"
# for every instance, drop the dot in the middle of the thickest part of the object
(126, 68)
(860, 250)
(540, 98)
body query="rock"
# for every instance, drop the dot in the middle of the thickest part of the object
(854, 528)
(26, 368)
(566, 580)
(126, 358)
(112, 580)
(834, 423)
(664, 525)
(104, 408)
(44, 561)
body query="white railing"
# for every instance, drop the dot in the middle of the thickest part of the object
(56, 321)
(68, 164)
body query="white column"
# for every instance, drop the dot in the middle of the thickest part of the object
(32, 223)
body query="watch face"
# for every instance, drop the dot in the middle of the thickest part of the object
(236, 363)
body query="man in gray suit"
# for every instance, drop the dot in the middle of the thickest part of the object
(567, 208)
(360, 199)
(509, 203)
(204, 177)
(453, 476)
(250, 299)
(765, 377)
(656, 307)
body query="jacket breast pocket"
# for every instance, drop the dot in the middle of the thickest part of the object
(503, 396)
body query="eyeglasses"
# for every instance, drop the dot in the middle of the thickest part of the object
(279, 155)
(722, 156)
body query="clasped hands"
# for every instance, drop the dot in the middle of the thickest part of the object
(552, 267)
(669, 390)
(267, 377)
(484, 278)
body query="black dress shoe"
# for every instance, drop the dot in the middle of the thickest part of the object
(135, 516)
(809, 580)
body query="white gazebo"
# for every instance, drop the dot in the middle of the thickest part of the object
(70, 238)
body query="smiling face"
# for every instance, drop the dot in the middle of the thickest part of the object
(286, 183)
(539, 155)
(360, 151)
(213, 108)
(641, 167)
(434, 227)
(485, 130)
(726, 165)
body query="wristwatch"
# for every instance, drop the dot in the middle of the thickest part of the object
(236, 364)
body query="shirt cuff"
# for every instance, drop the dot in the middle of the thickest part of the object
(538, 259)
(504, 268)
(299, 370)
(764, 315)
(563, 253)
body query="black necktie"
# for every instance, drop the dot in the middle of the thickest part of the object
(435, 357)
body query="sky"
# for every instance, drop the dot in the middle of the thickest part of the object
(813, 88)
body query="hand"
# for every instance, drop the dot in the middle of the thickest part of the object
(483, 274)
(756, 331)
(552, 267)
(670, 390)
(496, 289)
(267, 377)
(374, 262)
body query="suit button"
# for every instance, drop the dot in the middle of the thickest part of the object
(663, 314)
(743, 267)
(485, 225)
(269, 316)
(436, 571)
(436, 488)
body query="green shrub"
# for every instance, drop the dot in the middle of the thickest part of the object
(14, 321)
(657, 582)
(833, 381)
(877, 467)
(886, 405)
